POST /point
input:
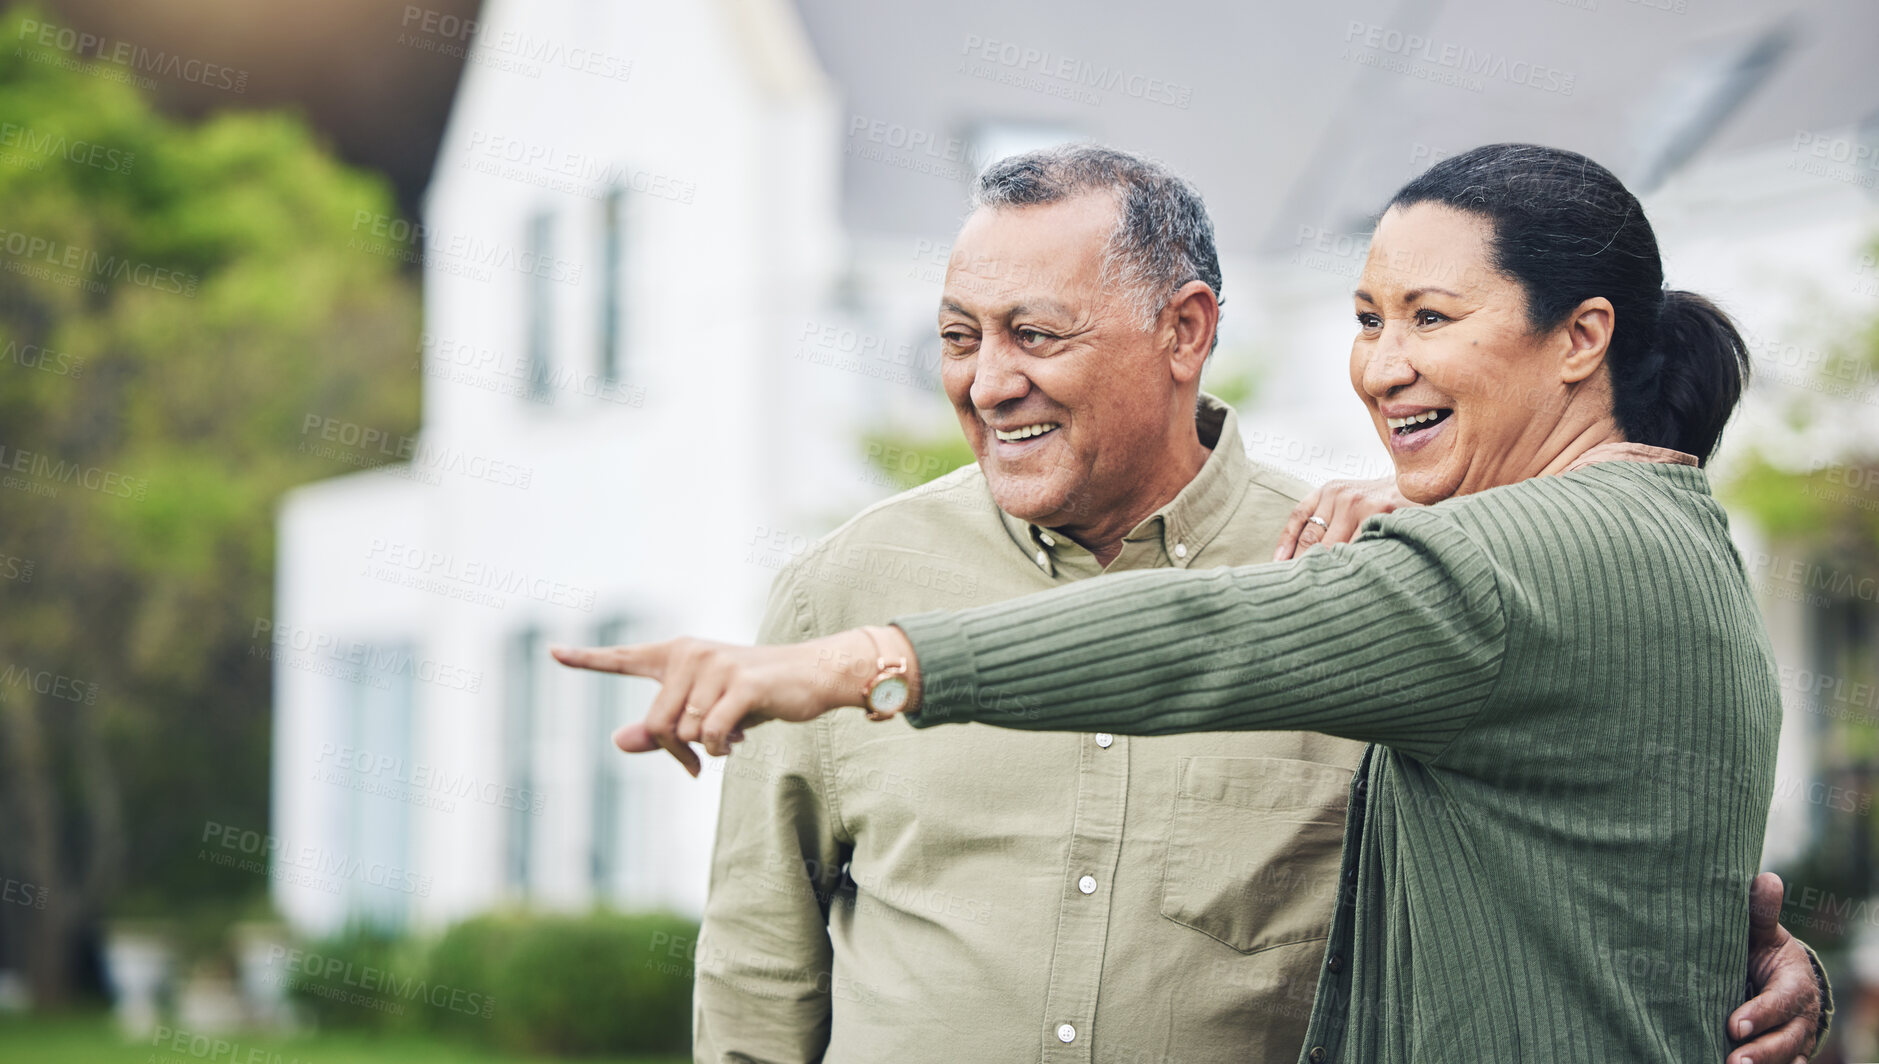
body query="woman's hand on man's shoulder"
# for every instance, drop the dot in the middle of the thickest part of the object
(1333, 513)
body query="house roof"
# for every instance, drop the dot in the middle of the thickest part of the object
(1300, 115)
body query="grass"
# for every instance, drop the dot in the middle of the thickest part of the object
(91, 1039)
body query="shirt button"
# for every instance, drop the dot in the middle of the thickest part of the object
(1044, 538)
(1180, 550)
(1335, 962)
(1066, 1033)
(1317, 1055)
(1104, 739)
(1043, 560)
(1087, 884)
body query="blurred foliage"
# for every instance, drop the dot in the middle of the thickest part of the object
(1230, 379)
(905, 459)
(88, 1039)
(365, 949)
(562, 985)
(1828, 500)
(1810, 482)
(175, 301)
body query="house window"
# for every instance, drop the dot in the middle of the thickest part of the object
(539, 248)
(612, 283)
(609, 826)
(518, 751)
(376, 865)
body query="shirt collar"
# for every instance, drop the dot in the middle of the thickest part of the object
(1631, 452)
(1173, 535)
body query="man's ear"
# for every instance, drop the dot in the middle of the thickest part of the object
(1194, 313)
(1588, 338)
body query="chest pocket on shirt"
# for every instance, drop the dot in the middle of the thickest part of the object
(1253, 849)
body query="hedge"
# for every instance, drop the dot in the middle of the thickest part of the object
(562, 985)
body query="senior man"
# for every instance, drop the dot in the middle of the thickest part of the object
(982, 895)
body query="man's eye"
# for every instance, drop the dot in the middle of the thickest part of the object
(1031, 337)
(1430, 317)
(956, 337)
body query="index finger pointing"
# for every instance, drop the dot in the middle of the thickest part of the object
(641, 659)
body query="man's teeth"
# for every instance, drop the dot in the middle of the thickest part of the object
(1026, 432)
(1398, 423)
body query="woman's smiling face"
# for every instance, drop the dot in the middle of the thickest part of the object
(1465, 394)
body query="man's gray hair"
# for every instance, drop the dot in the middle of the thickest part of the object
(1163, 237)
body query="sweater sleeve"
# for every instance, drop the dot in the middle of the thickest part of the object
(1396, 638)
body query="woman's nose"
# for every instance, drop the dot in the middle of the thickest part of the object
(1387, 368)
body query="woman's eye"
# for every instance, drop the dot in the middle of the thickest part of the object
(1368, 321)
(1430, 317)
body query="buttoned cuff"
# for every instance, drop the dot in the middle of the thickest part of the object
(949, 678)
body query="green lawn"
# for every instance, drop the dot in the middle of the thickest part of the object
(92, 1040)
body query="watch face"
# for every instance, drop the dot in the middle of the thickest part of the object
(889, 695)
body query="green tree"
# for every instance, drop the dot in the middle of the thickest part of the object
(176, 300)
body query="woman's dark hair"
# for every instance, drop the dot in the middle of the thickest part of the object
(1567, 230)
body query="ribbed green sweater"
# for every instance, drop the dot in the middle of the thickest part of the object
(1549, 850)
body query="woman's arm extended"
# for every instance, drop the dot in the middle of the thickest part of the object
(1394, 639)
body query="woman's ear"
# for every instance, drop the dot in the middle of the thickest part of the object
(1195, 315)
(1588, 337)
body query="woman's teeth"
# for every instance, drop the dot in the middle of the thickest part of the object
(1026, 432)
(1402, 424)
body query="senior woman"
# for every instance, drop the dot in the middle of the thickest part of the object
(1561, 666)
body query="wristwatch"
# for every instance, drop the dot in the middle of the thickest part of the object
(886, 693)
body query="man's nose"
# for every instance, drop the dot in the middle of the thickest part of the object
(997, 375)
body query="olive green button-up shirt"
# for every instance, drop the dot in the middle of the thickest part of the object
(974, 894)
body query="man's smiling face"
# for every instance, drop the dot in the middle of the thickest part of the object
(1059, 389)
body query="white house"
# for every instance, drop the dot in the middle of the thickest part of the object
(678, 260)
(633, 208)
